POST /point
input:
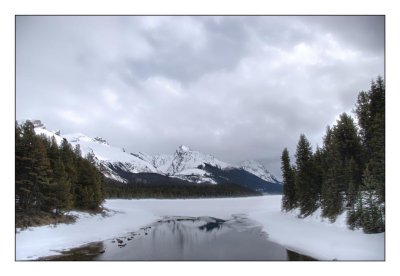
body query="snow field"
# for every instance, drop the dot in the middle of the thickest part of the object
(311, 236)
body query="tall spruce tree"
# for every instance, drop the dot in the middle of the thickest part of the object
(24, 164)
(32, 170)
(343, 160)
(41, 175)
(353, 181)
(306, 191)
(349, 148)
(288, 173)
(368, 212)
(318, 172)
(370, 110)
(61, 186)
(89, 184)
(69, 160)
(332, 197)
(355, 212)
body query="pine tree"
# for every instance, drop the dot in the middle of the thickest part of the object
(89, 193)
(70, 163)
(32, 170)
(61, 186)
(24, 163)
(343, 160)
(373, 219)
(353, 180)
(289, 196)
(331, 194)
(318, 172)
(370, 110)
(306, 192)
(42, 174)
(348, 145)
(354, 215)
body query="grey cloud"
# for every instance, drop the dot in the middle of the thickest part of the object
(237, 87)
(361, 32)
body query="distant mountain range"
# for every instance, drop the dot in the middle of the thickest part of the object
(184, 165)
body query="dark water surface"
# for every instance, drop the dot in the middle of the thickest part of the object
(187, 238)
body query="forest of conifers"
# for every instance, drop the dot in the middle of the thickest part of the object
(348, 172)
(52, 178)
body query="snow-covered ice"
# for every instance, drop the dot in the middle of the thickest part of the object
(311, 236)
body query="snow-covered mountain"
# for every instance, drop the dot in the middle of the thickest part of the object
(259, 170)
(185, 164)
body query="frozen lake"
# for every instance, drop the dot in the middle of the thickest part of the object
(188, 238)
(312, 236)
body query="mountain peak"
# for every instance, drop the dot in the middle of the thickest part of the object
(258, 169)
(183, 148)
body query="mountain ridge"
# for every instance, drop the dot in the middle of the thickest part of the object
(185, 164)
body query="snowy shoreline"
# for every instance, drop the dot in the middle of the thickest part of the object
(312, 236)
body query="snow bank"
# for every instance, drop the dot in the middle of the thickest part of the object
(42, 241)
(311, 236)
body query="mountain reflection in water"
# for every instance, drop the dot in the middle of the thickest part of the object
(189, 238)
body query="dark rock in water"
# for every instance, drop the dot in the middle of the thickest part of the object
(102, 251)
(122, 245)
(119, 241)
(129, 239)
(145, 233)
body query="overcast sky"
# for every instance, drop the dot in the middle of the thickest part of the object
(235, 87)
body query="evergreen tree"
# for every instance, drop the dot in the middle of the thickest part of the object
(348, 145)
(41, 176)
(318, 171)
(51, 178)
(289, 196)
(370, 110)
(306, 190)
(88, 188)
(331, 195)
(70, 163)
(77, 151)
(373, 220)
(32, 170)
(61, 186)
(354, 215)
(343, 160)
(24, 163)
(368, 211)
(353, 180)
